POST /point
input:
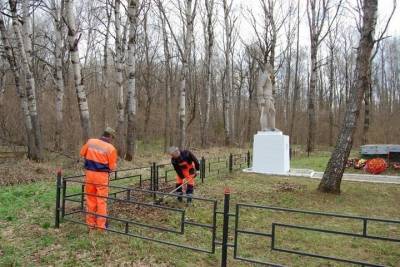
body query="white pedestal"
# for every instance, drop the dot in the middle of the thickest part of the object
(271, 153)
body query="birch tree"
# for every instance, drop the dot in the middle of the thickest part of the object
(334, 171)
(319, 27)
(119, 61)
(209, 53)
(131, 66)
(189, 16)
(106, 67)
(58, 62)
(73, 40)
(227, 88)
(296, 88)
(15, 68)
(29, 79)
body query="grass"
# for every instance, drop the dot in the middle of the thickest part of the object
(28, 238)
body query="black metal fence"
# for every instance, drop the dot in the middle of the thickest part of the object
(135, 190)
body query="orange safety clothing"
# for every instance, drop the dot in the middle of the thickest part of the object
(99, 155)
(100, 159)
(188, 171)
(96, 191)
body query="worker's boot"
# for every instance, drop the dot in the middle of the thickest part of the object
(179, 192)
(189, 193)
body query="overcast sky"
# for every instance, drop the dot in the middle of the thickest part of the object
(246, 32)
(384, 9)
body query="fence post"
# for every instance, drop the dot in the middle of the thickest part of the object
(248, 159)
(82, 196)
(157, 168)
(64, 190)
(203, 169)
(152, 176)
(58, 199)
(225, 228)
(230, 162)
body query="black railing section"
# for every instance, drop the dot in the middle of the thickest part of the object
(275, 225)
(129, 196)
(127, 188)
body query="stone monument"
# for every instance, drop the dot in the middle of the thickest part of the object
(270, 146)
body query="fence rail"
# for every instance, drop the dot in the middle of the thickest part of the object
(70, 202)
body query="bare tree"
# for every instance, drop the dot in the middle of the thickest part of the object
(30, 80)
(73, 40)
(131, 65)
(189, 16)
(106, 67)
(119, 60)
(334, 171)
(229, 22)
(58, 46)
(331, 44)
(319, 26)
(15, 68)
(296, 88)
(168, 82)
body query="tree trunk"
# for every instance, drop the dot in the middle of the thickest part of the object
(119, 57)
(15, 68)
(189, 15)
(131, 98)
(367, 108)
(209, 37)
(227, 90)
(331, 89)
(2, 88)
(105, 78)
(59, 77)
(30, 82)
(167, 81)
(296, 88)
(146, 77)
(332, 177)
(311, 98)
(73, 40)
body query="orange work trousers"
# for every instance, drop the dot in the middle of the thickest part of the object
(96, 190)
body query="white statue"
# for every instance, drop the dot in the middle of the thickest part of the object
(265, 98)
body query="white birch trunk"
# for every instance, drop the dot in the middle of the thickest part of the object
(209, 40)
(27, 30)
(59, 75)
(15, 68)
(131, 65)
(2, 88)
(120, 86)
(73, 40)
(228, 74)
(185, 73)
(30, 84)
(105, 76)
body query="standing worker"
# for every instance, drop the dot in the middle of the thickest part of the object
(185, 165)
(100, 159)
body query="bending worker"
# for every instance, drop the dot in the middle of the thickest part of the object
(185, 165)
(100, 159)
